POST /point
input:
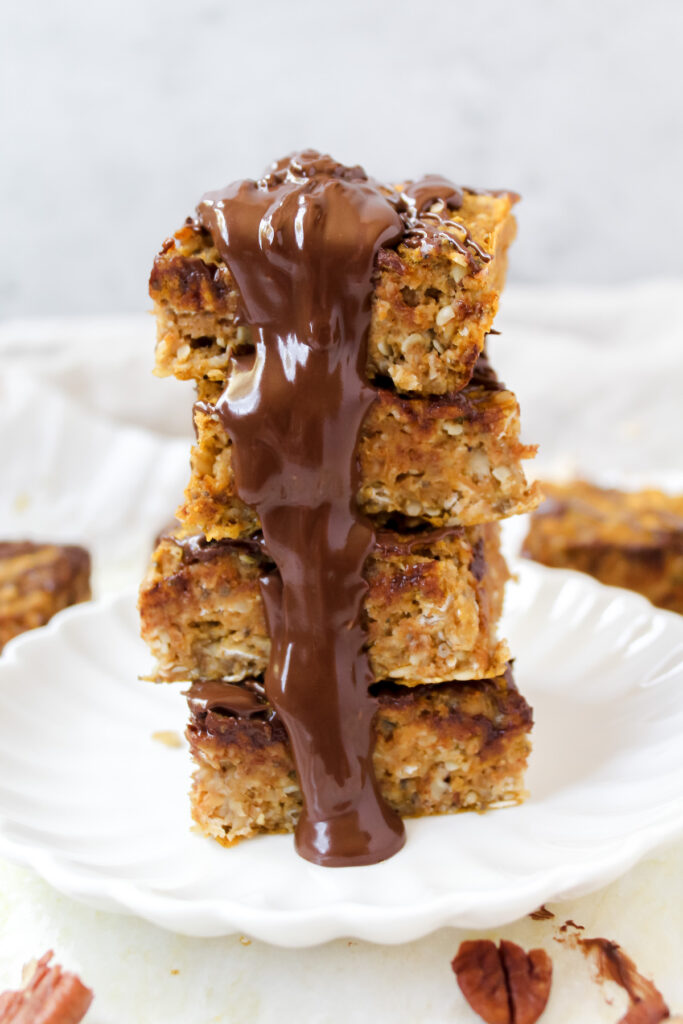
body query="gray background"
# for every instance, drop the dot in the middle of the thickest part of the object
(117, 116)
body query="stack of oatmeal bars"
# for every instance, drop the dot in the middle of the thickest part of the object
(440, 464)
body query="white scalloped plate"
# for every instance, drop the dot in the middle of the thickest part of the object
(99, 808)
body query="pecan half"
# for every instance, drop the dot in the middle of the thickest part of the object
(503, 984)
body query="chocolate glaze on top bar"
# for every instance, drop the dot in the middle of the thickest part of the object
(421, 194)
(427, 227)
(301, 245)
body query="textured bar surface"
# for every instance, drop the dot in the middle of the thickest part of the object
(453, 461)
(37, 581)
(430, 613)
(438, 749)
(431, 310)
(625, 539)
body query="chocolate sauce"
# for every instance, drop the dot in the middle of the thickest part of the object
(426, 205)
(215, 706)
(301, 244)
(242, 701)
(647, 1002)
(430, 189)
(196, 548)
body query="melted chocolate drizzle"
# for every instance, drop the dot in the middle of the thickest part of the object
(426, 205)
(196, 548)
(647, 1003)
(206, 696)
(422, 194)
(301, 244)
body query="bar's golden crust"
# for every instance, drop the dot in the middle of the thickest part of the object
(624, 539)
(438, 749)
(431, 311)
(430, 613)
(37, 581)
(454, 461)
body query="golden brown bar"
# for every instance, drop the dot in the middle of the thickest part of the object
(430, 613)
(453, 461)
(437, 749)
(37, 581)
(430, 315)
(625, 539)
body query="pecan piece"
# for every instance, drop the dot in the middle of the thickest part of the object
(542, 914)
(50, 996)
(504, 985)
(528, 976)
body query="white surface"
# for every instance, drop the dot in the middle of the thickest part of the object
(118, 116)
(103, 814)
(142, 975)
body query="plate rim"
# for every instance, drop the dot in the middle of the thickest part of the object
(310, 926)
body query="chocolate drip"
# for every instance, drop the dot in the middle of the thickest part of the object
(208, 695)
(196, 548)
(430, 189)
(215, 706)
(647, 1002)
(301, 245)
(426, 204)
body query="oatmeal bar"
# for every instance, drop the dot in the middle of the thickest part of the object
(437, 749)
(37, 581)
(430, 613)
(452, 461)
(625, 539)
(432, 305)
